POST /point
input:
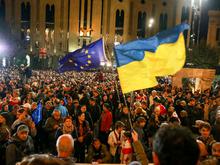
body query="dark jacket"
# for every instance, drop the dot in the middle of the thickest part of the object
(49, 127)
(18, 149)
(102, 153)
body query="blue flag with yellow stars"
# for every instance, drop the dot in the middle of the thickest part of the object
(86, 58)
(37, 114)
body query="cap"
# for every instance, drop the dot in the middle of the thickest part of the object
(22, 128)
(198, 123)
(140, 119)
(26, 105)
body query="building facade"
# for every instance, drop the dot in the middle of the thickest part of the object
(55, 27)
(213, 38)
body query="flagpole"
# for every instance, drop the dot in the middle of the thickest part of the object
(115, 77)
(129, 113)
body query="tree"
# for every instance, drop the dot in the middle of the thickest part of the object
(203, 56)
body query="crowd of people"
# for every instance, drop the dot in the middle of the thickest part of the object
(102, 124)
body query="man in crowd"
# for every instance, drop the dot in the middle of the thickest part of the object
(20, 145)
(65, 146)
(175, 146)
(98, 152)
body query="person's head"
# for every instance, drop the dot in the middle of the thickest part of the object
(144, 104)
(96, 143)
(119, 126)
(127, 135)
(106, 107)
(65, 145)
(205, 129)
(125, 110)
(33, 106)
(69, 100)
(157, 110)
(183, 114)
(81, 116)
(141, 121)
(182, 103)
(5, 108)
(48, 105)
(83, 108)
(56, 114)
(92, 101)
(68, 122)
(42, 159)
(76, 102)
(26, 107)
(154, 93)
(22, 132)
(175, 146)
(2, 119)
(216, 150)
(192, 102)
(21, 113)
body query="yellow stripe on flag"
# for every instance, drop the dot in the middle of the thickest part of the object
(167, 60)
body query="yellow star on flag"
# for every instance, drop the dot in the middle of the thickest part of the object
(89, 56)
(89, 62)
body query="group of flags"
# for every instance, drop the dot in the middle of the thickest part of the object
(139, 62)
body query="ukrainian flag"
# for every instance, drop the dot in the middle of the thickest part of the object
(139, 62)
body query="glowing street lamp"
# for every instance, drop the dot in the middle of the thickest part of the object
(197, 13)
(151, 22)
(3, 48)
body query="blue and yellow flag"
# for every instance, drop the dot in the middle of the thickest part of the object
(139, 62)
(86, 58)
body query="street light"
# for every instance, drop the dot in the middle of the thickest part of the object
(197, 13)
(151, 22)
(3, 48)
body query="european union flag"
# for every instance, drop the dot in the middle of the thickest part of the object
(139, 62)
(37, 114)
(86, 58)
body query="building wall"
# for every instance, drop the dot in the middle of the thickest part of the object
(69, 20)
(214, 29)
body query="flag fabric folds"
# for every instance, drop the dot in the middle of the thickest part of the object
(140, 61)
(37, 114)
(86, 58)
